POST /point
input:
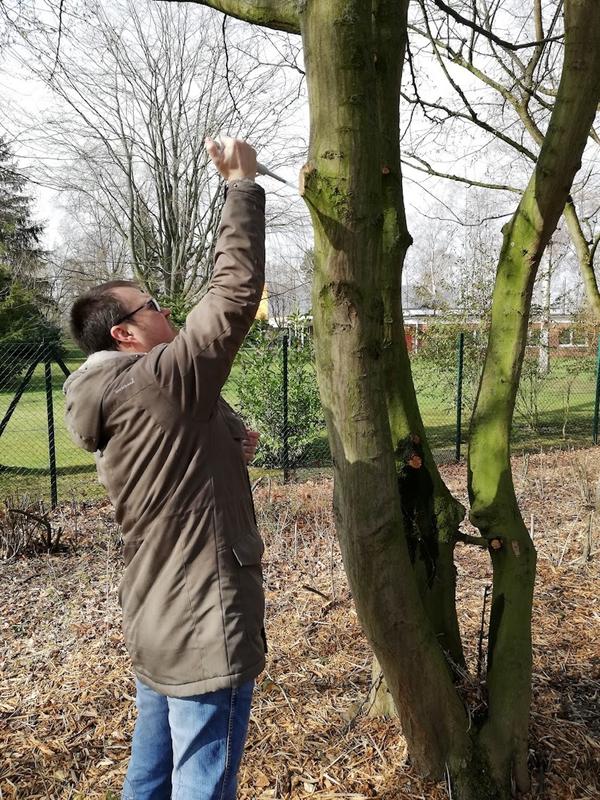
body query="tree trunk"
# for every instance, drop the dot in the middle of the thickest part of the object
(585, 255)
(431, 515)
(494, 507)
(343, 187)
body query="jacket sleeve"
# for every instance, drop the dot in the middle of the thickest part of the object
(194, 366)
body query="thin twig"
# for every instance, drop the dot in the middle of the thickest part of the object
(60, 26)
(488, 34)
(226, 51)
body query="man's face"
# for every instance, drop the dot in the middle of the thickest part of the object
(145, 328)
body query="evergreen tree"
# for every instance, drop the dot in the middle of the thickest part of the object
(25, 300)
(19, 234)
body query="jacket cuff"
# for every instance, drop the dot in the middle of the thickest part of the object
(246, 185)
(241, 182)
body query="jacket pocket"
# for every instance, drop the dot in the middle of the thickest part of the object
(248, 551)
(242, 598)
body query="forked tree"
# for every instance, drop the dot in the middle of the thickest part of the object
(397, 523)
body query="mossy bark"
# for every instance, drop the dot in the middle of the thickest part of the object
(494, 507)
(431, 514)
(343, 188)
(280, 15)
(585, 254)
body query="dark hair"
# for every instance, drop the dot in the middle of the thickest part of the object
(94, 313)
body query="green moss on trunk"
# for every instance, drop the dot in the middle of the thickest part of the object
(494, 507)
(343, 187)
(431, 514)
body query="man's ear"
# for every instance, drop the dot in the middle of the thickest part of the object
(122, 334)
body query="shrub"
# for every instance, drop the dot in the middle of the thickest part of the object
(25, 528)
(23, 327)
(259, 385)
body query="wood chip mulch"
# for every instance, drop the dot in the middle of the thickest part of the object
(66, 690)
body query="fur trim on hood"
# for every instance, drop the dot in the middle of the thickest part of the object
(84, 391)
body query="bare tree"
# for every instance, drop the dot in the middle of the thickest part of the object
(287, 290)
(138, 88)
(452, 263)
(499, 97)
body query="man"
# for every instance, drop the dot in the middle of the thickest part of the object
(170, 453)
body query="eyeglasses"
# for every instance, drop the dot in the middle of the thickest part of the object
(151, 304)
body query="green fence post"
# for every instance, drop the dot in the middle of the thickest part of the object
(597, 399)
(51, 433)
(285, 432)
(459, 381)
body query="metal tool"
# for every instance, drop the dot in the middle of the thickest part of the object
(262, 170)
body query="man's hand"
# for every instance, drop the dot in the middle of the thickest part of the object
(249, 445)
(233, 158)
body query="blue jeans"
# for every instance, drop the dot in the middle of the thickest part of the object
(187, 748)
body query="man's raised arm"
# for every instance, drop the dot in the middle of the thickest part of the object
(194, 367)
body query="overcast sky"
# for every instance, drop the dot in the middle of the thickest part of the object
(427, 199)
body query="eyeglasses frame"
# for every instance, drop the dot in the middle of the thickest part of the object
(151, 303)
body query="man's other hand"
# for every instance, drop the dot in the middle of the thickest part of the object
(249, 445)
(234, 158)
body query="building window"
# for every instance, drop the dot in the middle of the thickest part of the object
(572, 337)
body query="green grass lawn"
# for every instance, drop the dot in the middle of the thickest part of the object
(556, 411)
(24, 451)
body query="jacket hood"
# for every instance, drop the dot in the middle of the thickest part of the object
(84, 391)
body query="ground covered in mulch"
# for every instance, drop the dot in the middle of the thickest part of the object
(66, 691)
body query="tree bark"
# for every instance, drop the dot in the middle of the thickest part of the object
(280, 15)
(343, 188)
(431, 515)
(494, 507)
(585, 255)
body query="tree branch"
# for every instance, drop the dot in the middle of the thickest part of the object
(477, 541)
(585, 255)
(451, 113)
(279, 15)
(594, 247)
(488, 34)
(59, 37)
(429, 170)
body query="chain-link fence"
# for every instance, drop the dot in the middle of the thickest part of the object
(556, 404)
(37, 457)
(273, 386)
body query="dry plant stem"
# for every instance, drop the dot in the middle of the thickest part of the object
(22, 530)
(587, 541)
(41, 521)
(494, 506)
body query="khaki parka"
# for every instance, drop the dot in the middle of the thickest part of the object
(168, 450)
